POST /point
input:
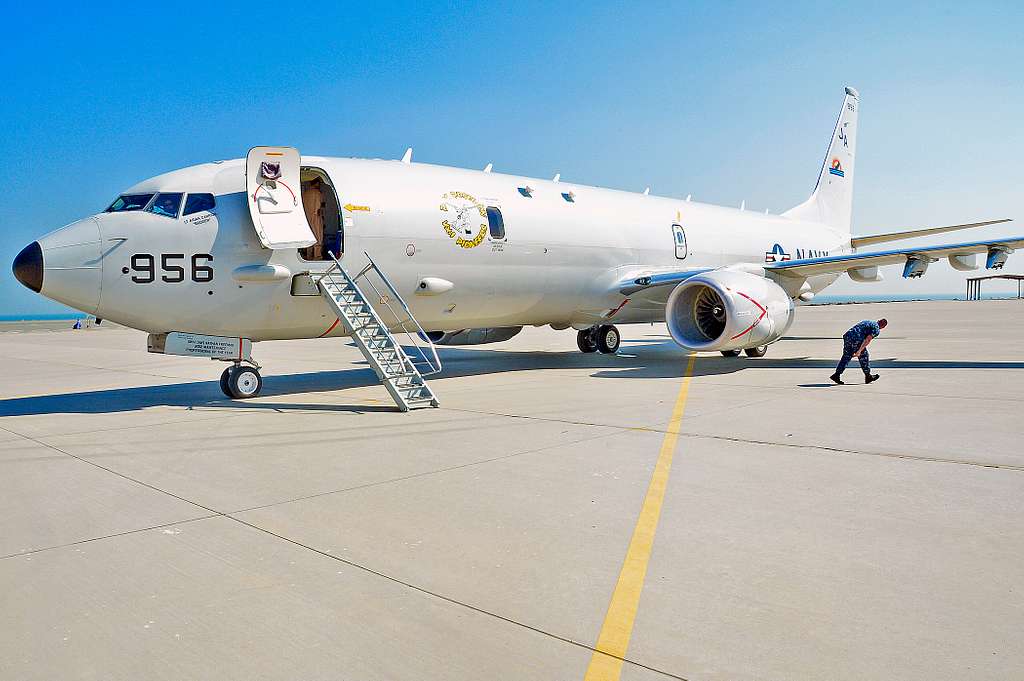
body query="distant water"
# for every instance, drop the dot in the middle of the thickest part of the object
(833, 300)
(70, 316)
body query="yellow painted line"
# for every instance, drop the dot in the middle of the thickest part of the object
(612, 642)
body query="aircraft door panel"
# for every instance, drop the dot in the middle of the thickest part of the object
(272, 186)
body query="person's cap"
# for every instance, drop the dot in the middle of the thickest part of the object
(882, 323)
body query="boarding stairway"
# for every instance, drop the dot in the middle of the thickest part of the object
(401, 373)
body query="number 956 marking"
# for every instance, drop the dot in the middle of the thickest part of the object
(171, 268)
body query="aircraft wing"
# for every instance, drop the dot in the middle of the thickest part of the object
(640, 281)
(915, 260)
(870, 239)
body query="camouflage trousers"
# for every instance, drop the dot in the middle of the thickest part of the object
(850, 347)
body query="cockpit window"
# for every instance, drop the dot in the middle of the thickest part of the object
(166, 204)
(196, 203)
(129, 202)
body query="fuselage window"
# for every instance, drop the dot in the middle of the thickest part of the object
(679, 236)
(495, 223)
(166, 204)
(127, 202)
(196, 203)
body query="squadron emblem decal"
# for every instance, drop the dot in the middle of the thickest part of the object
(463, 219)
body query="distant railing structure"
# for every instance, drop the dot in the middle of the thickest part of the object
(974, 284)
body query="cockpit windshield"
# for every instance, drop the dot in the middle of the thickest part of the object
(166, 204)
(127, 202)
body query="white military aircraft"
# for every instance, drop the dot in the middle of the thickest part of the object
(210, 258)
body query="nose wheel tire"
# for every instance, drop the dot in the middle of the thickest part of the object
(730, 353)
(241, 382)
(586, 340)
(759, 351)
(224, 382)
(608, 339)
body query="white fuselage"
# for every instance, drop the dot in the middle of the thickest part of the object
(558, 263)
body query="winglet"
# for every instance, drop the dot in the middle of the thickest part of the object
(557, 177)
(488, 167)
(408, 156)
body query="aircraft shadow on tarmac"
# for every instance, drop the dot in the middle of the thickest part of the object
(658, 359)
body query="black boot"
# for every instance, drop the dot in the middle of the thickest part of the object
(835, 379)
(870, 378)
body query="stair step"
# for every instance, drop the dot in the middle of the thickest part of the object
(396, 369)
(411, 396)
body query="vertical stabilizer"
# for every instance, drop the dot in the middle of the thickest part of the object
(832, 199)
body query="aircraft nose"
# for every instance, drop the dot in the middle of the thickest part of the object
(68, 266)
(28, 266)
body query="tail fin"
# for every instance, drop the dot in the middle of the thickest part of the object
(832, 199)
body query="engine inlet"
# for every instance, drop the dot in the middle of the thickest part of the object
(709, 313)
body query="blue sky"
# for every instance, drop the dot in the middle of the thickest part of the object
(727, 101)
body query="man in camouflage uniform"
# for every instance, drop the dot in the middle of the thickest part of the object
(855, 344)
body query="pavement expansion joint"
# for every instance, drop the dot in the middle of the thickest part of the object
(860, 452)
(121, 370)
(115, 535)
(423, 474)
(112, 471)
(117, 429)
(449, 599)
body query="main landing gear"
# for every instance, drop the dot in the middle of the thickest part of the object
(758, 351)
(604, 339)
(240, 381)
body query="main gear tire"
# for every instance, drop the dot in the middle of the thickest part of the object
(586, 340)
(759, 351)
(608, 339)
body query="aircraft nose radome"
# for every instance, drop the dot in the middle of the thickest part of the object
(28, 266)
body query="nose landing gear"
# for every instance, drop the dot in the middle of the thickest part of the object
(604, 339)
(240, 382)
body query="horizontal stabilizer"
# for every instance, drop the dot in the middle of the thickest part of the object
(859, 241)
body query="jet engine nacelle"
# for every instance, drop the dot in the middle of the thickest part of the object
(727, 310)
(473, 336)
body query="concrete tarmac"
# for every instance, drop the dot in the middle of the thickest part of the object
(151, 529)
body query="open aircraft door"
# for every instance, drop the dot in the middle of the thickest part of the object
(273, 186)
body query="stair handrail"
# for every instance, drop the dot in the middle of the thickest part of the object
(328, 274)
(419, 333)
